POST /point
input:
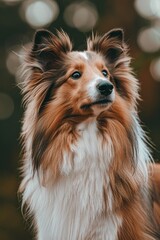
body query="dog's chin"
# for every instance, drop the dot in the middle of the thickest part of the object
(98, 105)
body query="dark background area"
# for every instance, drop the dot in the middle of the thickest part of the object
(142, 33)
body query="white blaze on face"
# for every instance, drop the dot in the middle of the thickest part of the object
(94, 78)
(84, 55)
(92, 88)
(93, 92)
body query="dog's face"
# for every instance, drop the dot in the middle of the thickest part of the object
(87, 87)
(79, 83)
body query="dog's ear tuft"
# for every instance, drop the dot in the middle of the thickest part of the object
(41, 38)
(111, 44)
(48, 49)
(116, 33)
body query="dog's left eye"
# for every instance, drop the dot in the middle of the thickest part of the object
(105, 73)
(76, 75)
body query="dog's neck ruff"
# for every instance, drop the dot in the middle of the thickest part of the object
(80, 205)
(75, 203)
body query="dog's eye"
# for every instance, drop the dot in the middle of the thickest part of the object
(76, 75)
(105, 73)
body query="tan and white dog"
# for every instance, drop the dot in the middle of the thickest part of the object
(85, 166)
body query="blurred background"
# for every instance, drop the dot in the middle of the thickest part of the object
(19, 19)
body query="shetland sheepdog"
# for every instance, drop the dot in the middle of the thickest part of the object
(85, 165)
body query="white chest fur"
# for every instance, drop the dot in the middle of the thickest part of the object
(72, 209)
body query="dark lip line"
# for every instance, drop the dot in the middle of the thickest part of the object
(102, 101)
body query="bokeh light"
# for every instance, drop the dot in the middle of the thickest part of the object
(39, 13)
(155, 7)
(12, 62)
(149, 9)
(149, 39)
(82, 16)
(155, 69)
(6, 106)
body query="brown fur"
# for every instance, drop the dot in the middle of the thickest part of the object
(155, 191)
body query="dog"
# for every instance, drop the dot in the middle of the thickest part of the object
(85, 166)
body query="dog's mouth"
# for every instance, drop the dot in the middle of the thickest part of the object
(101, 102)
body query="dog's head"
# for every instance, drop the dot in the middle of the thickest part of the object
(81, 83)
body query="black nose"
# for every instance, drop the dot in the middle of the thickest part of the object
(105, 88)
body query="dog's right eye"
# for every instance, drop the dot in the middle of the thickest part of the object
(76, 75)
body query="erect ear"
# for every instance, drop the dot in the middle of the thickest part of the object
(41, 37)
(116, 33)
(111, 44)
(48, 49)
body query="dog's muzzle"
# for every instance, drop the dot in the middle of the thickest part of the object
(104, 88)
